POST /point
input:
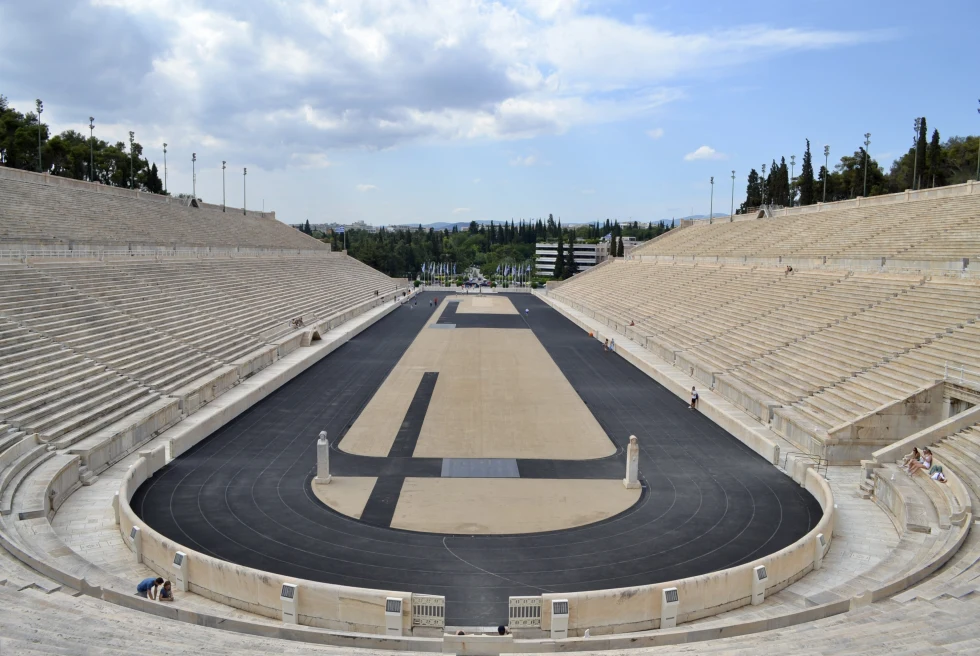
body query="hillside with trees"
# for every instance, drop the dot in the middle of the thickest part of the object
(72, 154)
(401, 252)
(929, 162)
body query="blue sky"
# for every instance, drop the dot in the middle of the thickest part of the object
(406, 112)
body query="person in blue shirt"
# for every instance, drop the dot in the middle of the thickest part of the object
(147, 588)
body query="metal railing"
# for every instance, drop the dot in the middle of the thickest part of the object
(960, 374)
(817, 461)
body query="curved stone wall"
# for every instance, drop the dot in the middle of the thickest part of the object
(357, 609)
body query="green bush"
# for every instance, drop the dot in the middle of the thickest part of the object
(534, 284)
(417, 283)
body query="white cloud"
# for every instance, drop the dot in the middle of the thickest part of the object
(461, 210)
(524, 161)
(655, 133)
(704, 152)
(311, 160)
(588, 192)
(365, 187)
(307, 76)
(476, 180)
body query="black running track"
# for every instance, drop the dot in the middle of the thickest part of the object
(244, 494)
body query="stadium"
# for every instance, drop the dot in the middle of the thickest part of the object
(323, 458)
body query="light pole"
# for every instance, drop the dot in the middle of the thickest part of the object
(915, 163)
(826, 170)
(194, 175)
(792, 179)
(762, 184)
(91, 149)
(40, 108)
(867, 144)
(732, 217)
(132, 178)
(244, 191)
(164, 167)
(711, 212)
(223, 185)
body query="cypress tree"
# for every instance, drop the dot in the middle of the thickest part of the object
(935, 160)
(920, 152)
(806, 178)
(753, 191)
(620, 250)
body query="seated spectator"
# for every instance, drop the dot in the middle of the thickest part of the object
(925, 463)
(501, 630)
(166, 592)
(907, 460)
(631, 323)
(936, 473)
(147, 588)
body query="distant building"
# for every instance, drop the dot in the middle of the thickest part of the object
(586, 256)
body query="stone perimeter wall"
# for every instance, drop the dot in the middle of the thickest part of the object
(343, 608)
(625, 610)
(321, 605)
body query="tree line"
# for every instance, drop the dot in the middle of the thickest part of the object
(72, 154)
(401, 252)
(929, 162)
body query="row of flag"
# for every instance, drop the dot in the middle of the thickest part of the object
(439, 268)
(512, 270)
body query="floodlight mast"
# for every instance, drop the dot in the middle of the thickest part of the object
(40, 109)
(867, 144)
(91, 149)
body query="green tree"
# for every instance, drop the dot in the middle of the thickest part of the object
(753, 192)
(571, 266)
(934, 160)
(153, 183)
(560, 259)
(920, 153)
(806, 178)
(620, 250)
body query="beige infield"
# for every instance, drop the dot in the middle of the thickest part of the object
(507, 505)
(498, 395)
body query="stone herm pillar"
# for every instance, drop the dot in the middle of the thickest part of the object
(632, 480)
(322, 459)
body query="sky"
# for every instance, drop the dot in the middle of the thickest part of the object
(452, 110)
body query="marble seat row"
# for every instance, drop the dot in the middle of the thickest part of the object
(828, 346)
(935, 228)
(36, 211)
(89, 348)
